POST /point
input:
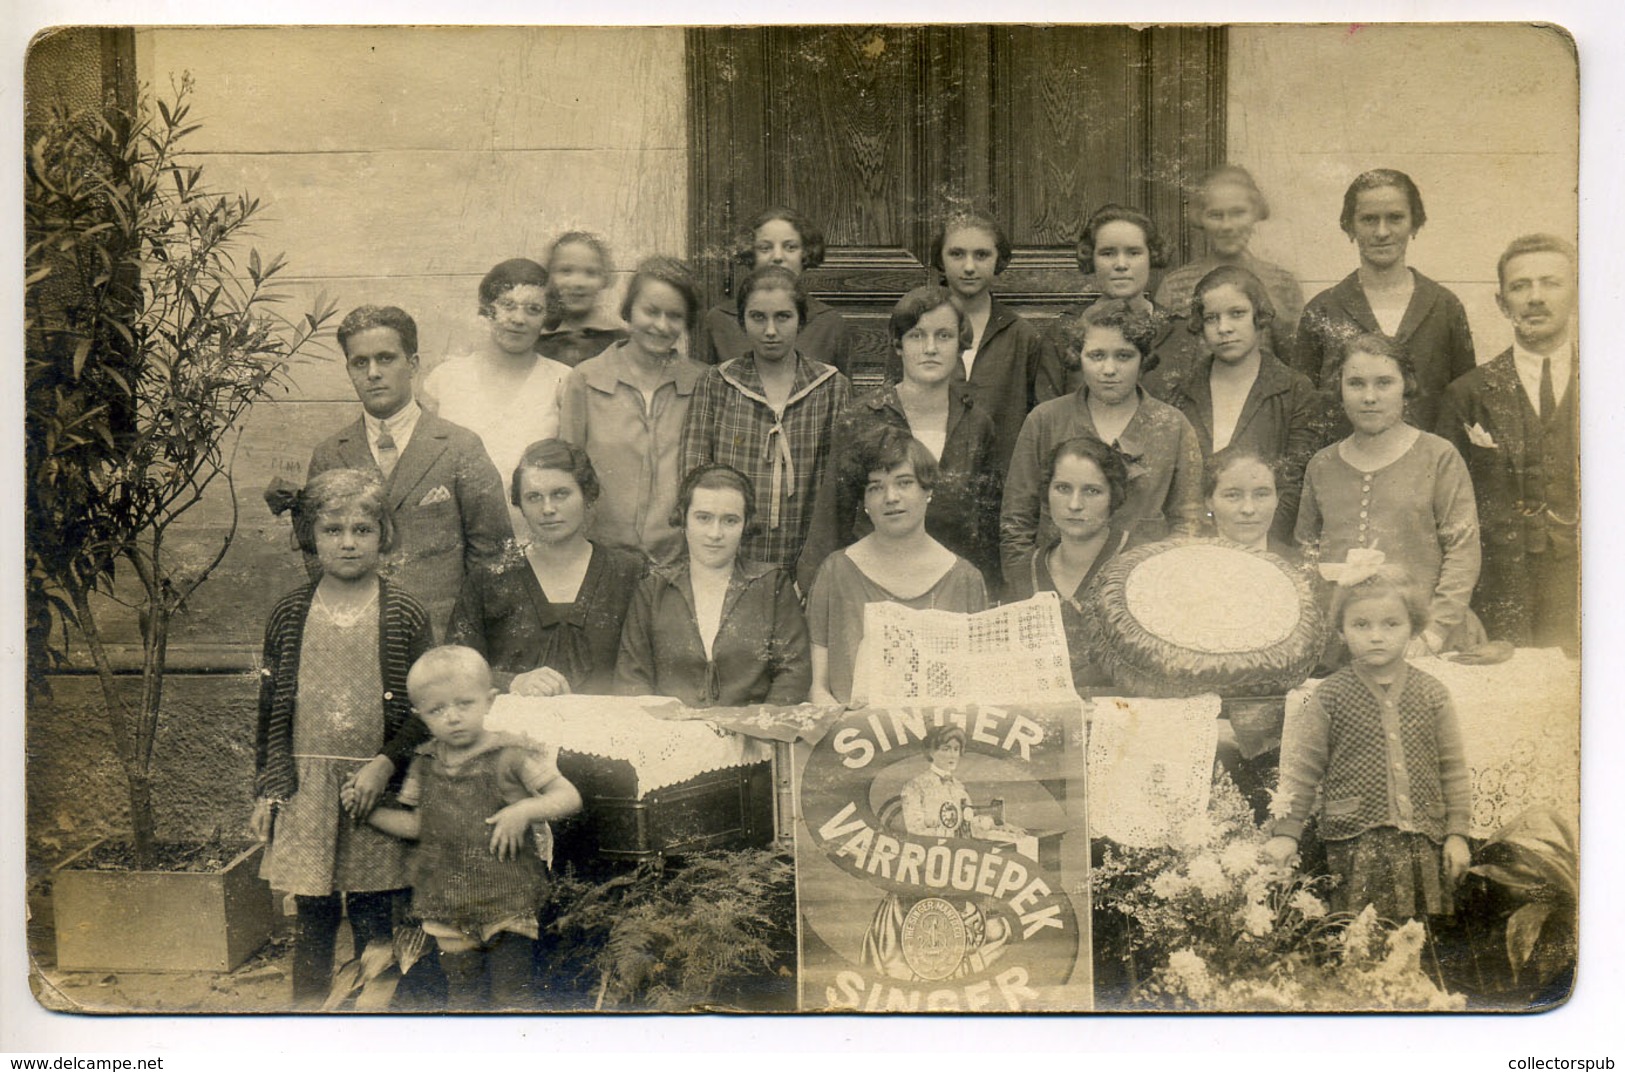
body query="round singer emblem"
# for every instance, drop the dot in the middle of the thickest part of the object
(948, 816)
(933, 938)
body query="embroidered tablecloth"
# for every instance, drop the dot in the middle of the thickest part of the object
(662, 751)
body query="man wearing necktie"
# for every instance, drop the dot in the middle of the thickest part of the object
(447, 498)
(1516, 421)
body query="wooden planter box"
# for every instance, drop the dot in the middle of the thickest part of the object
(161, 920)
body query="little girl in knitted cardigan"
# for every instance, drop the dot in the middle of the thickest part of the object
(1380, 737)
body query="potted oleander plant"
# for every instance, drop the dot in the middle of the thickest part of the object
(151, 329)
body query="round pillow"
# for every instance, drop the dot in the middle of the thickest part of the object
(1183, 617)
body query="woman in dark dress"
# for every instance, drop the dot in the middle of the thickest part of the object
(1086, 482)
(715, 629)
(548, 617)
(1382, 212)
(928, 333)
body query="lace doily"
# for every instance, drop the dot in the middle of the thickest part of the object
(1150, 767)
(1520, 724)
(1184, 618)
(1011, 654)
(661, 752)
(1212, 599)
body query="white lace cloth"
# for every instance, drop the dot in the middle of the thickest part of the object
(1011, 654)
(1520, 723)
(1150, 767)
(661, 752)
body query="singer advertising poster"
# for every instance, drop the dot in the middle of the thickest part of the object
(942, 861)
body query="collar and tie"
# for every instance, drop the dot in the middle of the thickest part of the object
(783, 482)
(1548, 395)
(388, 453)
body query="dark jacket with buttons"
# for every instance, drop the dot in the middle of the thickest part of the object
(1277, 422)
(1525, 480)
(403, 635)
(760, 654)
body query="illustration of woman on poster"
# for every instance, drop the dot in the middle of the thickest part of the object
(942, 942)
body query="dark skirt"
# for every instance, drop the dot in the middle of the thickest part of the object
(1401, 873)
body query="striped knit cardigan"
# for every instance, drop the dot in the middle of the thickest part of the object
(403, 635)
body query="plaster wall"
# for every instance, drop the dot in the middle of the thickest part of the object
(1485, 119)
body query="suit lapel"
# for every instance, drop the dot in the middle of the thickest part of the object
(353, 450)
(998, 319)
(429, 441)
(1196, 387)
(1506, 411)
(958, 403)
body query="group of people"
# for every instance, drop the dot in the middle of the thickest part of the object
(693, 503)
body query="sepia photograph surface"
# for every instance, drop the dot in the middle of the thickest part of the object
(1055, 518)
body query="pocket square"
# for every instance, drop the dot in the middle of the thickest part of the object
(1478, 437)
(440, 494)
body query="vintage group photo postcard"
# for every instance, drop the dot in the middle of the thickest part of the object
(785, 519)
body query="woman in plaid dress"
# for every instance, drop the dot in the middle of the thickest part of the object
(771, 414)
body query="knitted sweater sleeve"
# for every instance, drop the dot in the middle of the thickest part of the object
(1303, 765)
(1454, 779)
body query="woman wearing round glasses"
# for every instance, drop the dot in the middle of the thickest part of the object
(506, 392)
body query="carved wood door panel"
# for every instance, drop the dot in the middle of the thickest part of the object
(877, 132)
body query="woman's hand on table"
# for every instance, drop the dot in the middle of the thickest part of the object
(542, 681)
(1424, 644)
(1486, 654)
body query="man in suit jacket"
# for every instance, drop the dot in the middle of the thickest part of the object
(1516, 420)
(447, 498)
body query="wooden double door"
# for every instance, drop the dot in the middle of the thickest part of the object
(876, 133)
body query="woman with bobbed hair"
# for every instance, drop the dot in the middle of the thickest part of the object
(784, 237)
(715, 629)
(898, 562)
(928, 333)
(998, 362)
(772, 415)
(1392, 488)
(505, 392)
(1114, 344)
(1118, 249)
(1382, 213)
(1238, 394)
(1227, 205)
(548, 615)
(627, 408)
(1086, 482)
